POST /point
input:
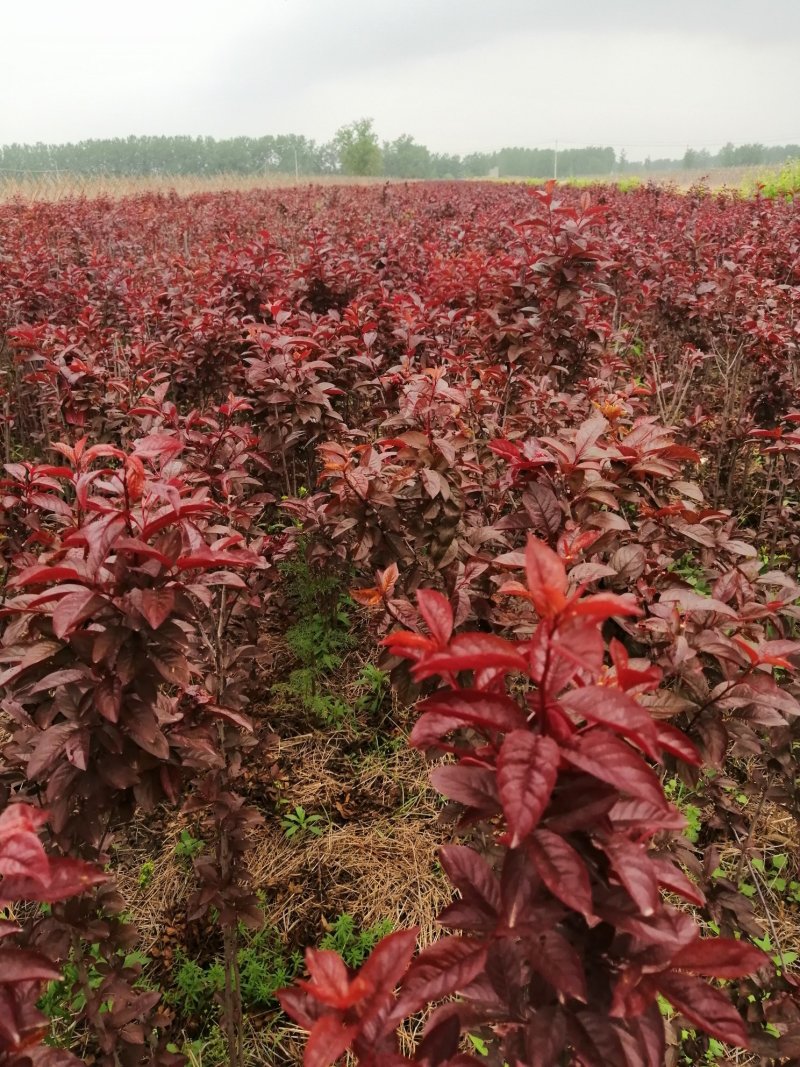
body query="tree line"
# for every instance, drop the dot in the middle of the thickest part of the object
(743, 155)
(355, 150)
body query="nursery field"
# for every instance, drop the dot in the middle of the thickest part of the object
(400, 627)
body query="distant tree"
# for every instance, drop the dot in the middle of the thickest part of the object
(327, 157)
(446, 166)
(694, 159)
(478, 164)
(358, 149)
(404, 158)
(355, 150)
(750, 154)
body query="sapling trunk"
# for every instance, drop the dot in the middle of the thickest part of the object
(232, 1000)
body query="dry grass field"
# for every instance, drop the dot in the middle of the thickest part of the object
(33, 187)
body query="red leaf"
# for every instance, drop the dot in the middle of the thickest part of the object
(156, 445)
(514, 589)
(329, 1039)
(108, 698)
(58, 678)
(675, 741)
(648, 1033)
(542, 506)
(207, 558)
(155, 605)
(236, 718)
(545, 1036)
(554, 958)
(562, 870)
(472, 652)
(588, 434)
(706, 1007)
(169, 517)
(135, 547)
(74, 609)
(66, 878)
(442, 1038)
(576, 645)
(21, 818)
(672, 878)
(691, 602)
(389, 961)
(586, 803)
(330, 981)
(547, 578)
(605, 606)
(448, 711)
(443, 969)
(48, 747)
(299, 1006)
(172, 666)
(720, 957)
(134, 477)
(612, 760)
(474, 787)
(471, 875)
(77, 749)
(611, 707)
(634, 869)
(21, 853)
(437, 613)
(368, 598)
(44, 576)
(599, 1043)
(17, 965)
(100, 536)
(142, 727)
(527, 768)
(403, 641)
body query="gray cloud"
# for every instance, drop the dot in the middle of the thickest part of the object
(321, 38)
(459, 74)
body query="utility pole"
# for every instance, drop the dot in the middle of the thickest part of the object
(296, 171)
(555, 163)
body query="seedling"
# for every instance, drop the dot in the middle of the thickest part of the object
(188, 847)
(298, 822)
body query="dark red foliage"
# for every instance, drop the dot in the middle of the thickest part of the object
(566, 922)
(28, 873)
(435, 390)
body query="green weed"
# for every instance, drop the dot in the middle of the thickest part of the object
(691, 571)
(780, 182)
(297, 822)
(194, 987)
(62, 1000)
(373, 683)
(265, 968)
(679, 795)
(188, 846)
(208, 1051)
(146, 872)
(352, 944)
(319, 637)
(478, 1044)
(305, 685)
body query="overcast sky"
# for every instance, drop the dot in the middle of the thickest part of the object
(459, 75)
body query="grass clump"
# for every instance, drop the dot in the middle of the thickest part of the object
(352, 944)
(783, 182)
(319, 638)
